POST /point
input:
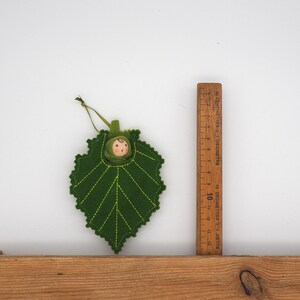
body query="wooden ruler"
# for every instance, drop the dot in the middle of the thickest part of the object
(209, 169)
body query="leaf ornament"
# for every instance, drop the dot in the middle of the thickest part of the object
(117, 184)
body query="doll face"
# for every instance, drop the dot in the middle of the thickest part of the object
(120, 147)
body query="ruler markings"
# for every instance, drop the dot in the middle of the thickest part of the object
(209, 165)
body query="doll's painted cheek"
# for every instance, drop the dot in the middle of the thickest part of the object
(120, 148)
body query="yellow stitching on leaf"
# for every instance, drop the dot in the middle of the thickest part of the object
(88, 174)
(94, 185)
(146, 173)
(124, 220)
(145, 154)
(107, 218)
(117, 207)
(85, 156)
(136, 226)
(139, 186)
(131, 203)
(103, 200)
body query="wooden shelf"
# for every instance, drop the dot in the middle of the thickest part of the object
(149, 277)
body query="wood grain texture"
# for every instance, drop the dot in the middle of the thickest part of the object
(209, 169)
(192, 277)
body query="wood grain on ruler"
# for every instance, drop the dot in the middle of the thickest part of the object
(209, 169)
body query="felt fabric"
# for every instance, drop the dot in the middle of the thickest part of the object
(111, 152)
(117, 198)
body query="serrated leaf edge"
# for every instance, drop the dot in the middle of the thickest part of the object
(145, 219)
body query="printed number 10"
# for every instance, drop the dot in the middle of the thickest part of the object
(210, 196)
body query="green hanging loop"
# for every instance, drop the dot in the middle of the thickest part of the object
(87, 110)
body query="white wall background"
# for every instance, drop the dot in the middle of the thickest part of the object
(140, 61)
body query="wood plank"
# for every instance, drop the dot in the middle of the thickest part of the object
(193, 277)
(209, 169)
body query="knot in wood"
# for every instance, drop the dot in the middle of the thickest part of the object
(250, 283)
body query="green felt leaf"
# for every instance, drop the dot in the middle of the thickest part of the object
(117, 199)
